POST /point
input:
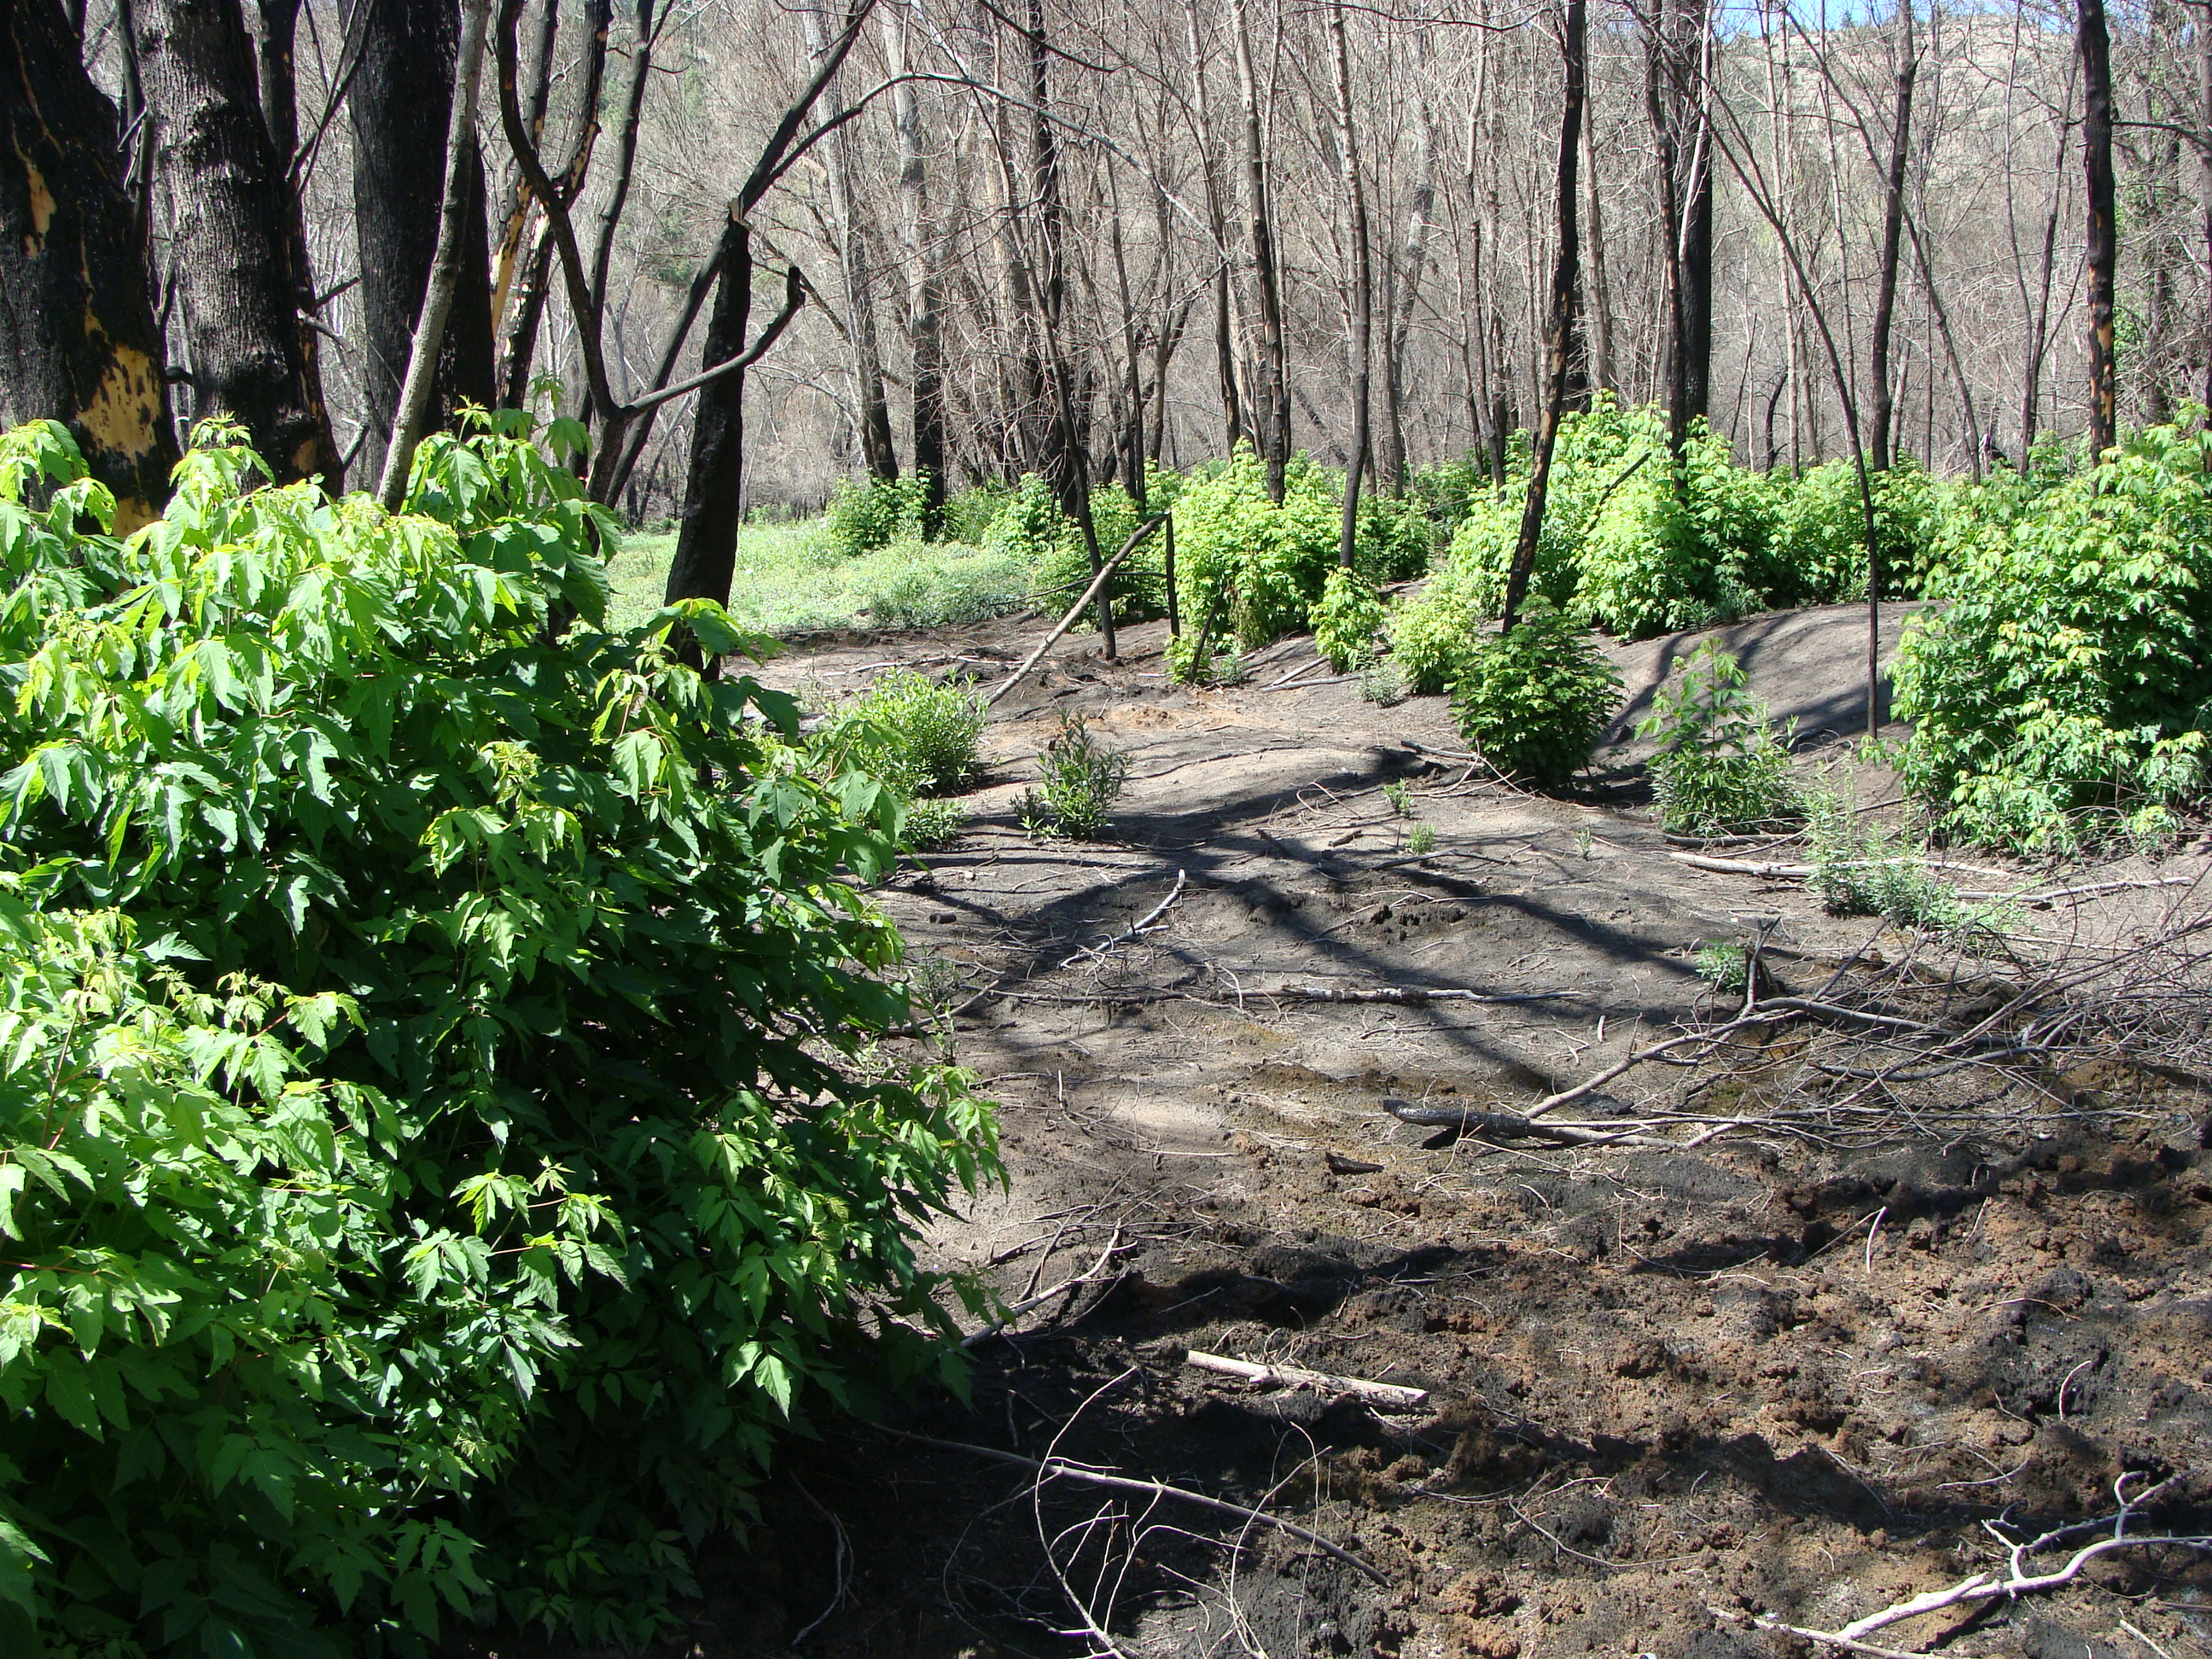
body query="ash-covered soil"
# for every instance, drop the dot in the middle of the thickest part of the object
(1673, 1386)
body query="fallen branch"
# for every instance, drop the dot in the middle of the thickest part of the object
(2090, 887)
(1142, 926)
(1008, 1315)
(1508, 1126)
(1060, 1468)
(1297, 1376)
(1297, 673)
(1136, 538)
(2015, 1581)
(1403, 995)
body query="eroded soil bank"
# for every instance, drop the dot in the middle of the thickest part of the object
(1796, 1373)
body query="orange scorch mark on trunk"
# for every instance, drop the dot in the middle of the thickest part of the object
(42, 208)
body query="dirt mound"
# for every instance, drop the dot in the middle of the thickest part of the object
(1671, 1385)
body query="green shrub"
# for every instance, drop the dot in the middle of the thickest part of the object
(866, 513)
(1032, 526)
(1081, 780)
(1448, 490)
(1818, 555)
(1383, 681)
(1726, 963)
(1348, 618)
(1720, 769)
(929, 825)
(2066, 688)
(920, 737)
(970, 513)
(1256, 567)
(1535, 701)
(1421, 840)
(432, 1175)
(1395, 537)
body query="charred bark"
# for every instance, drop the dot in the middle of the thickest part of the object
(401, 104)
(240, 285)
(1906, 68)
(1559, 328)
(2101, 252)
(78, 342)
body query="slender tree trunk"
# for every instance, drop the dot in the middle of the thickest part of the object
(517, 347)
(239, 285)
(455, 247)
(1421, 225)
(870, 407)
(1216, 220)
(2203, 27)
(78, 342)
(641, 77)
(1662, 102)
(2101, 249)
(924, 326)
(1694, 62)
(1068, 456)
(402, 109)
(1601, 369)
(1360, 301)
(1906, 66)
(1559, 327)
(1274, 413)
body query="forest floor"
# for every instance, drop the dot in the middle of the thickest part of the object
(1797, 1370)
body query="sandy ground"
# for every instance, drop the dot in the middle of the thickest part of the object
(1670, 1386)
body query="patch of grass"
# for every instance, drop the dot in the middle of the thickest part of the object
(792, 580)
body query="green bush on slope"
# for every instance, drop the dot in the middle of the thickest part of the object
(2067, 683)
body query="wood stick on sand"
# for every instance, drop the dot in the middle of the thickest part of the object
(1294, 1377)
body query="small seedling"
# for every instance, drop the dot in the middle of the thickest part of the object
(1585, 841)
(1399, 794)
(1421, 840)
(1082, 780)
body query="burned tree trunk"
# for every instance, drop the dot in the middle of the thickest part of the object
(78, 342)
(1273, 418)
(1360, 300)
(707, 542)
(2102, 250)
(239, 285)
(1559, 328)
(402, 102)
(1907, 66)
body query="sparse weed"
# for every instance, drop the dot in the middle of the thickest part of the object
(1082, 780)
(1862, 871)
(1384, 681)
(1726, 963)
(1399, 794)
(1421, 840)
(931, 824)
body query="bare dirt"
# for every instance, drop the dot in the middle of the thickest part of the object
(1673, 1387)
